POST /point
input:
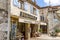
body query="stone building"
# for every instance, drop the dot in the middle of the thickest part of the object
(18, 18)
(4, 32)
(50, 16)
(24, 19)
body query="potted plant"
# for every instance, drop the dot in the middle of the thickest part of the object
(40, 31)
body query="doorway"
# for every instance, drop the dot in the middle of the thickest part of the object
(34, 29)
(14, 24)
(44, 29)
(22, 29)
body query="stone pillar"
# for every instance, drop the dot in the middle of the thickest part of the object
(38, 27)
(9, 28)
(27, 31)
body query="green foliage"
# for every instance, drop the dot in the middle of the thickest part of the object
(57, 30)
(40, 30)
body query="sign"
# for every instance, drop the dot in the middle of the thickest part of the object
(27, 21)
(24, 15)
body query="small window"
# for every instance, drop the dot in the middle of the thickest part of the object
(25, 6)
(42, 18)
(53, 11)
(34, 11)
(22, 5)
(31, 9)
(20, 13)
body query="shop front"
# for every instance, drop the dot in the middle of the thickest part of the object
(28, 27)
(44, 28)
(14, 25)
(23, 27)
(34, 29)
(19, 30)
(22, 30)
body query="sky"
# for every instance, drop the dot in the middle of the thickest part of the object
(43, 3)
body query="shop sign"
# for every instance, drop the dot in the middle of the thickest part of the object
(27, 22)
(25, 15)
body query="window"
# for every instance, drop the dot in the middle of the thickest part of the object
(34, 11)
(53, 11)
(37, 11)
(42, 18)
(16, 3)
(25, 6)
(22, 5)
(54, 16)
(31, 9)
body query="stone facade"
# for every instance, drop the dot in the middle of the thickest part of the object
(50, 16)
(29, 18)
(4, 20)
(3, 4)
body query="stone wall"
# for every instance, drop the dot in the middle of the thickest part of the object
(3, 4)
(3, 19)
(3, 35)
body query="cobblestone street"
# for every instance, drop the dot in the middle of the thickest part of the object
(46, 37)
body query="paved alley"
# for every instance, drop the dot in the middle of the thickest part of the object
(46, 37)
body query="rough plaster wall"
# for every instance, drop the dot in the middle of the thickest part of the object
(3, 26)
(3, 4)
(50, 22)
